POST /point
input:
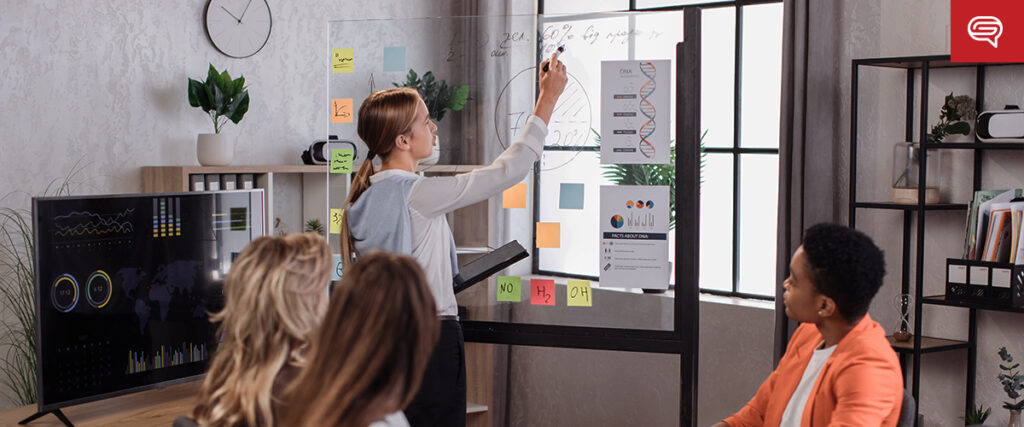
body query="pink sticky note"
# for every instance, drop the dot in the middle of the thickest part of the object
(542, 292)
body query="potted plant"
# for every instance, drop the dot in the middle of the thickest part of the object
(957, 112)
(1013, 383)
(439, 98)
(223, 99)
(977, 415)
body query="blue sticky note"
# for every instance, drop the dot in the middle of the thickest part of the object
(570, 196)
(394, 58)
(336, 273)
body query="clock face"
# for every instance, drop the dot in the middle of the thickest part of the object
(238, 28)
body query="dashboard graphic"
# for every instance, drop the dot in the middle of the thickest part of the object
(122, 287)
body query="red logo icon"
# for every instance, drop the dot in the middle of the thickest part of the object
(986, 31)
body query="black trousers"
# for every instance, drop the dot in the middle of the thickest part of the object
(441, 400)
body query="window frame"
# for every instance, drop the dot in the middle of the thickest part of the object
(736, 151)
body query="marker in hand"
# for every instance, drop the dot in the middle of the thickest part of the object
(557, 52)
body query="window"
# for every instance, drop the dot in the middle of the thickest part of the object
(741, 45)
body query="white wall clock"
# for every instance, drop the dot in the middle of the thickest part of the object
(238, 28)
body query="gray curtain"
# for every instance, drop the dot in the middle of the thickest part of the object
(809, 157)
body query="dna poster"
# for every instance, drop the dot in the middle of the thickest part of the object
(636, 111)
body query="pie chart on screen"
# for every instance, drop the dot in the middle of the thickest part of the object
(617, 221)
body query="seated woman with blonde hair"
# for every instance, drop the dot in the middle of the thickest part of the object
(275, 297)
(839, 369)
(367, 361)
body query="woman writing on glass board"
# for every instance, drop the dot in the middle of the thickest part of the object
(396, 210)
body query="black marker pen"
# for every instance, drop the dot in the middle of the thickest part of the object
(557, 52)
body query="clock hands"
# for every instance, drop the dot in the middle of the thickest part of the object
(232, 15)
(243, 11)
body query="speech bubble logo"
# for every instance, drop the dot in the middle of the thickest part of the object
(985, 29)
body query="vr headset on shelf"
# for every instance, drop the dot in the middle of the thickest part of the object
(1005, 125)
(319, 152)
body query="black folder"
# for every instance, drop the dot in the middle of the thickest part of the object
(483, 267)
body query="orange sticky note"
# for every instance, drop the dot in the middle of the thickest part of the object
(542, 292)
(549, 235)
(341, 110)
(514, 197)
(577, 293)
(343, 60)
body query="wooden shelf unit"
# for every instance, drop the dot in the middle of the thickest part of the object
(318, 186)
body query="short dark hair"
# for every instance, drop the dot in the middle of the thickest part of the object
(847, 267)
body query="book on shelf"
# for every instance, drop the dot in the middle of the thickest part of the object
(996, 242)
(979, 217)
(1016, 213)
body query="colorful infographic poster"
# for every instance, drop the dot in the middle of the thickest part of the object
(636, 111)
(634, 236)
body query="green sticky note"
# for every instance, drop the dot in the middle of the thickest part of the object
(510, 289)
(341, 160)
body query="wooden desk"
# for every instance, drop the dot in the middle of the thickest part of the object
(147, 408)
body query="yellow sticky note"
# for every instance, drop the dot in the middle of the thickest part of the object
(343, 61)
(578, 293)
(549, 235)
(514, 197)
(336, 216)
(341, 110)
(341, 160)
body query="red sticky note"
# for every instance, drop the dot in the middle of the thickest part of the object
(542, 292)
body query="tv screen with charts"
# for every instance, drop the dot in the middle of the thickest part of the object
(122, 284)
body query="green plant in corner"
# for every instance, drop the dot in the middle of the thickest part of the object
(314, 225)
(1011, 379)
(438, 96)
(652, 174)
(17, 293)
(220, 97)
(977, 415)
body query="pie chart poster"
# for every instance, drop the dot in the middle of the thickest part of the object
(634, 236)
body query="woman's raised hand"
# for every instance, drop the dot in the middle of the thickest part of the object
(552, 83)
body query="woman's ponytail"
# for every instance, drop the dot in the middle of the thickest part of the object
(383, 116)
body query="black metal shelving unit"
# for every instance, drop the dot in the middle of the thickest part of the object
(922, 66)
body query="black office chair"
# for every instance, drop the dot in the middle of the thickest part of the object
(907, 411)
(184, 422)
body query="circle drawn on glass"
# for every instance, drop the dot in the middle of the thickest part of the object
(571, 119)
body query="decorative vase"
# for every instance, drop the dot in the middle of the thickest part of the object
(214, 149)
(906, 164)
(1014, 419)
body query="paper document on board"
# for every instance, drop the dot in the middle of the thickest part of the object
(634, 236)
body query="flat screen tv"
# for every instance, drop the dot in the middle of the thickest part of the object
(122, 284)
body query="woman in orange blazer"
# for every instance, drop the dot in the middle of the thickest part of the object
(839, 369)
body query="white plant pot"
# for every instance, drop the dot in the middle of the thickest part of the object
(214, 149)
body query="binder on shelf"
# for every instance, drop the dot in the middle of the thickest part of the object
(993, 283)
(197, 183)
(228, 181)
(485, 266)
(245, 181)
(212, 182)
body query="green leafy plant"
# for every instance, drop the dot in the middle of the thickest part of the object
(977, 415)
(652, 174)
(17, 293)
(220, 97)
(314, 225)
(1010, 378)
(954, 118)
(438, 96)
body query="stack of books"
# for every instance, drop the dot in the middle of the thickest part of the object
(993, 231)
